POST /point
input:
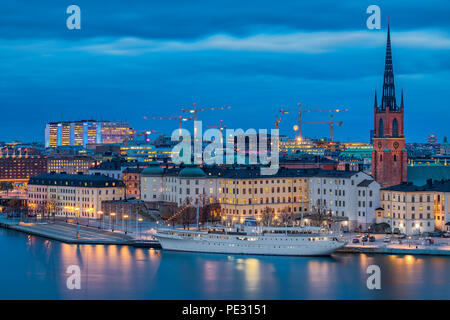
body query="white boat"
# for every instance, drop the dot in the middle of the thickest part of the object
(252, 239)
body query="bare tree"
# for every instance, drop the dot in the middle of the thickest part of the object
(267, 216)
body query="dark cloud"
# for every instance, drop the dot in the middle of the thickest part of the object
(46, 77)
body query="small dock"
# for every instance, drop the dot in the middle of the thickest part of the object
(420, 250)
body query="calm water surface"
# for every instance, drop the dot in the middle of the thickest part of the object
(34, 268)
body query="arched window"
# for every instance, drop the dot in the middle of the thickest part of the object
(395, 157)
(380, 128)
(395, 128)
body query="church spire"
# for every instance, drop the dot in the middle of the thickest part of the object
(401, 102)
(388, 99)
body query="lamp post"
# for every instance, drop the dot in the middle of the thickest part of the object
(110, 221)
(126, 223)
(139, 227)
(101, 219)
(77, 211)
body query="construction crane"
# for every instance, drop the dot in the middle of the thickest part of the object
(180, 119)
(331, 123)
(196, 110)
(220, 127)
(135, 134)
(300, 111)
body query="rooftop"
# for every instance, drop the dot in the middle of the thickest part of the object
(75, 180)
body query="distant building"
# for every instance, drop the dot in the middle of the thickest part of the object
(445, 148)
(432, 139)
(72, 195)
(132, 179)
(81, 133)
(113, 168)
(69, 164)
(18, 169)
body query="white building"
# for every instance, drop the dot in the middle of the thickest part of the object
(346, 194)
(72, 195)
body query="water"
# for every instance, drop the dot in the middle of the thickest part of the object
(34, 268)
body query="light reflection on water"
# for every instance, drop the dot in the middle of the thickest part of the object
(34, 268)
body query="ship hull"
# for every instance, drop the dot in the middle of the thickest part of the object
(283, 247)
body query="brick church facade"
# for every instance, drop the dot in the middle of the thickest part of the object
(389, 157)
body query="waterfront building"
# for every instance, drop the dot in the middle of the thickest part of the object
(389, 157)
(72, 195)
(242, 191)
(345, 194)
(132, 179)
(407, 208)
(69, 164)
(84, 132)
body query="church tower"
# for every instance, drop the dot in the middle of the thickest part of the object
(389, 157)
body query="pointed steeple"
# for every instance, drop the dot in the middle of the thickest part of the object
(388, 99)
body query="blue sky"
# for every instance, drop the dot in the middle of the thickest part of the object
(143, 58)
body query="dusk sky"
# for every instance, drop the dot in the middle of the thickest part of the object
(151, 58)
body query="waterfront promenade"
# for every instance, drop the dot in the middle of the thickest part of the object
(67, 232)
(412, 246)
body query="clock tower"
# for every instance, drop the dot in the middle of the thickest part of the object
(389, 157)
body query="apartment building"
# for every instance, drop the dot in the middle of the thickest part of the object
(72, 195)
(412, 209)
(350, 195)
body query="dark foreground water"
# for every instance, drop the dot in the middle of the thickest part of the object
(35, 268)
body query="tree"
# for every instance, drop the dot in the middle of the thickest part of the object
(319, 215)
(267, 216)
(287, 218)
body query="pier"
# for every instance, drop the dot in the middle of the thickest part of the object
(67, 233)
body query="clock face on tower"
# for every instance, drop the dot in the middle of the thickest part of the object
(396, 144)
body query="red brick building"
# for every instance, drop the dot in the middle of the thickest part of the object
(389, 157)
(18, 169)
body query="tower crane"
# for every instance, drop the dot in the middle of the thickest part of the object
(220, 127)
(300, 111)
(195, 110)
(135, 134)
(331, 123)
(180, 119)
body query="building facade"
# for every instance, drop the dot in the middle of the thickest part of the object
(81, 133)
(132, 179)
(350, 195)
(389, 157)
(18, 169)
(72, 195)
(413, 209)
(69, 164)
(242, 191)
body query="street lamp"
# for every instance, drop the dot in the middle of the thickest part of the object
(77, 212)
(126, 223)
(101, 218)
(110, 221)
(139, 226)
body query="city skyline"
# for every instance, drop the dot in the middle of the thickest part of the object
(119, 62)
